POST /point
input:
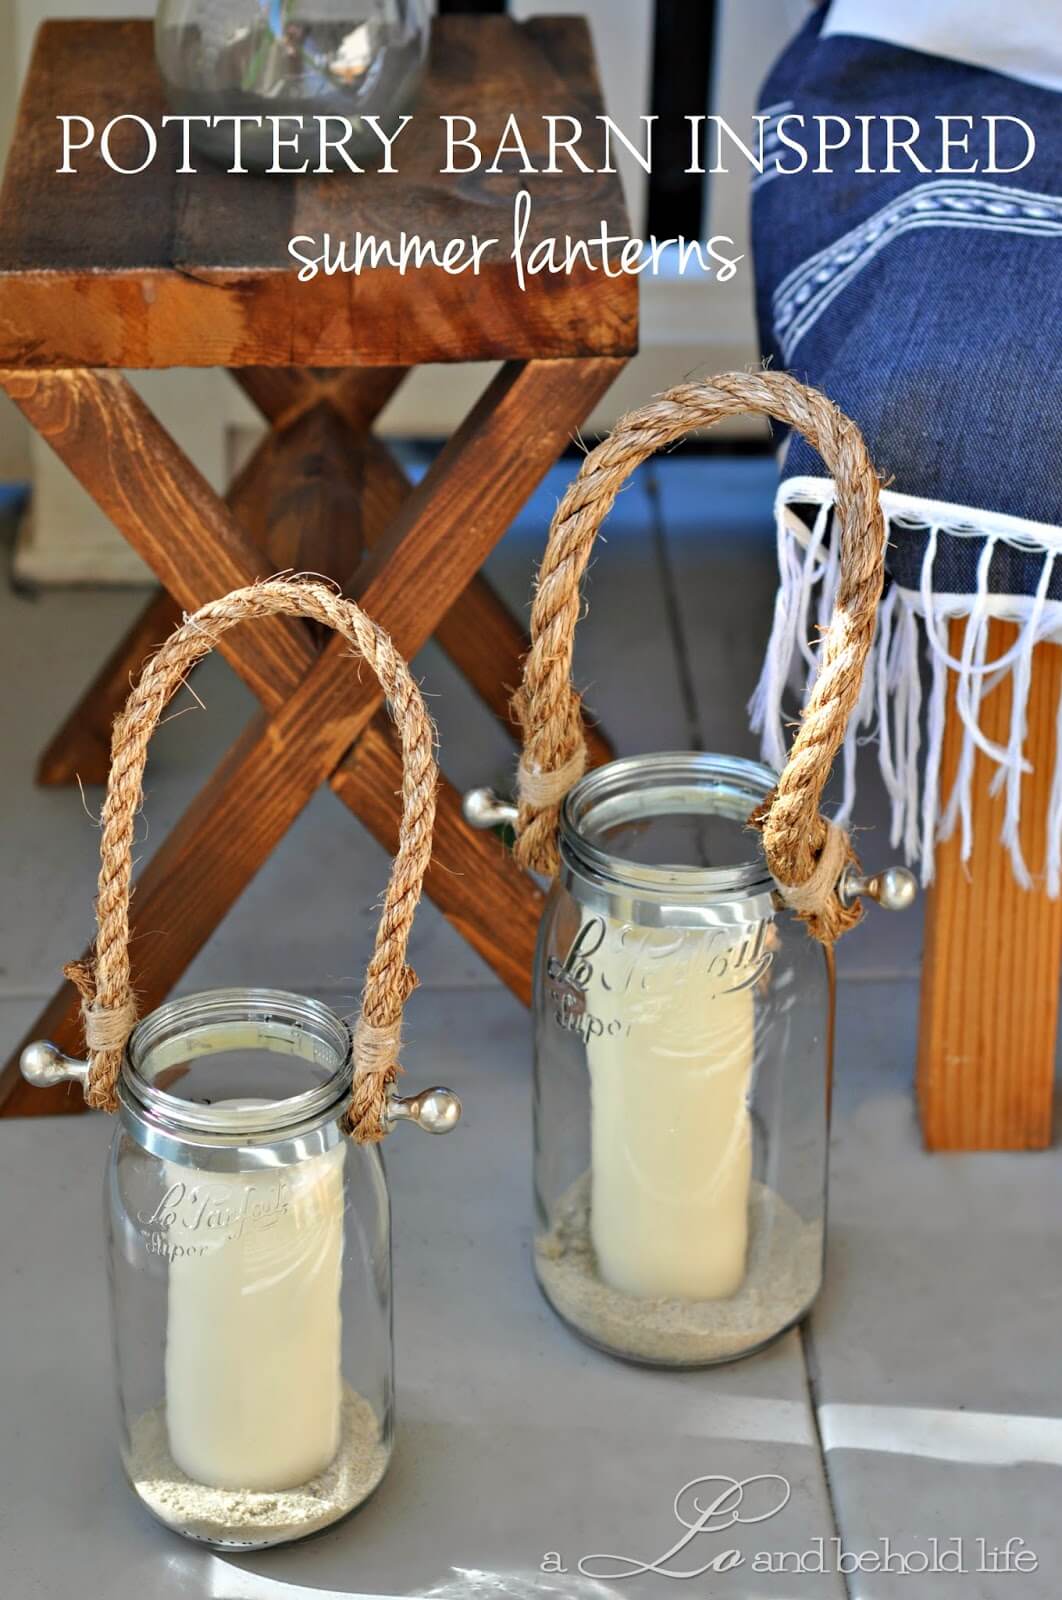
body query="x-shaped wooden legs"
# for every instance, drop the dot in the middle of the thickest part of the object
(319, 489)
(314, 710)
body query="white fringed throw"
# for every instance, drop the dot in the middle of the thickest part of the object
(913, 624)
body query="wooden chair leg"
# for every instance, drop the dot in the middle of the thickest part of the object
(101, 429)
(292, 399)
(261, 498)
(226, 835)
(993, 951)
(478, 633)
(486, 643)
(472, 879)
(323, 496)
(358, 394)
(81, 747)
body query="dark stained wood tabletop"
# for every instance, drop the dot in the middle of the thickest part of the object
(156, 269)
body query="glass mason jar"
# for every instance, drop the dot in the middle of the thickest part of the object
(261, 58)
(250, 1270)
(683, 1038)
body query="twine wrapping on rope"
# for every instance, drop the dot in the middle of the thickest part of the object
(541, 789)
(805, 857)
(107, 1001)
(808, 898)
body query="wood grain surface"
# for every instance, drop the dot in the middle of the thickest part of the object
(318, 705)
(358, 485)
(99, 268)
(993, 953)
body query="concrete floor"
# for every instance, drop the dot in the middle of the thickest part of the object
(922, 1401)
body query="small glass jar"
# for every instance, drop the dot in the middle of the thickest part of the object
(683, 1038)
(250, 1271)
(283, 58)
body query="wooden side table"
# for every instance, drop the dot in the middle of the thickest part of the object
(100, 271)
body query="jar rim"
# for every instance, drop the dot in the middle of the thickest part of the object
(635, 787)
(221, 1126)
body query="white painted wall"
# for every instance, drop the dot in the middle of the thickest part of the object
(687, 325)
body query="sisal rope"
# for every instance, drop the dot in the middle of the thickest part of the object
(795, 835)
(108, 1005)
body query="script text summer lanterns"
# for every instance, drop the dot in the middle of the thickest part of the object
(248, 1213)
(683, 1015)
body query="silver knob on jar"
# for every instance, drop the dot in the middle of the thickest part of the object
(44, 1065)
(436, 1110)
(483, 809)
(894, 889)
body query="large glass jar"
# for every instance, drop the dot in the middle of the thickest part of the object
(250, 1268)
(281, 58)
(683, 1035)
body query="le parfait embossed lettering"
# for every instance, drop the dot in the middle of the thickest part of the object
(215, 1213)
(605, 999)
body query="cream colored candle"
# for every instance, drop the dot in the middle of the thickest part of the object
(253, 1324)
(670, 1131)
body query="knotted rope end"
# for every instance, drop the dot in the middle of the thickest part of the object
(540, 794)
(537, 789)
(107, 1030)
(376, 1067)
(817, 901)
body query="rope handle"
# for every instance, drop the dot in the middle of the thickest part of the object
(806, 853)
(107, 1003)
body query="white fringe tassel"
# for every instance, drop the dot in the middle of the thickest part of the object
(912, 624)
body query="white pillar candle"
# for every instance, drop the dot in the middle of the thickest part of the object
(253, 1386)
(671, 1146)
